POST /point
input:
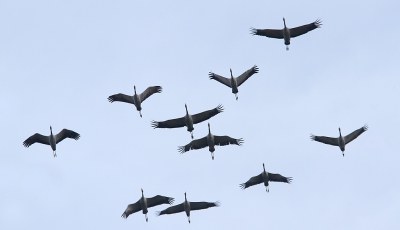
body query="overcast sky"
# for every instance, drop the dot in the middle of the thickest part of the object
(60, 60)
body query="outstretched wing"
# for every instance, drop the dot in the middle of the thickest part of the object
(325, 140)
(242, 78)
(226, 140)
(297, 31)
(195, 144)
(279, 178)
(39, 138)
(121, 97)
(171, 210)
(253, 181)
(67, 133)
(221, 79)
(271, 33)
(158, 200)
(149, 91)
(132, 208)
(355, 134)
(173, 123)
(203, 205)
(197, 118)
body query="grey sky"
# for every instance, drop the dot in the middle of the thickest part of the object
(60, 60)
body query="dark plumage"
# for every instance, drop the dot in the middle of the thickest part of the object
(210, 140)
(340, 141)
(188, 120)
(136, 99)
(143, 203)
(187, 206)
(233, 82)
(286, 33)
(265, 177)
(51, 140)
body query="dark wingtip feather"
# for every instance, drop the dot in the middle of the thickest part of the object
(76, 136)
(365, 127)
(181, 149)
(110, 99)
(318, 23)
(312, 137)
(154, 124)
(171, 200)
(159, 89)
(253, 31)
(211, 75)
(240, 141)
(255, 68)
(220, 108)
(243, 186)
(289, 180)
(124, 215)
(217, 203)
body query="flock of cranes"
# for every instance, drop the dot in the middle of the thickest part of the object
(209, 140)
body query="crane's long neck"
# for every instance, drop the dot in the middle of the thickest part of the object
(134, 89)
(284, 23)
(340, 133)
(231, 73)
(209, 130)
(186, 109)
(51, 131)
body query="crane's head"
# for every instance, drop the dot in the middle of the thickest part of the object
(264, 166)
(340, 131)
(185, 195)
(51, 130)
(134, 88)
(284, 22)
(141, 190)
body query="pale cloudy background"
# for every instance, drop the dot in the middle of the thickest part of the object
(60, 60)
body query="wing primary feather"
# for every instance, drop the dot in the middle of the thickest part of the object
(154, 124)
(181, 149)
